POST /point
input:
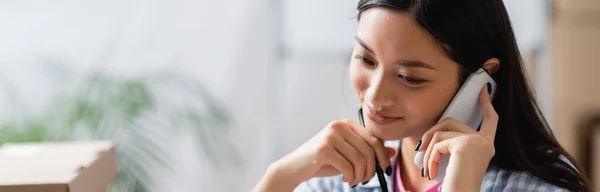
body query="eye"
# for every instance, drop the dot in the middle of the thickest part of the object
(411, 80)
(364, 60)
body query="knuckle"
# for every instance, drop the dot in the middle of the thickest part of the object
(491, 147)
(458, 149)
(435, 146)
(323, 147)
(373, 141)
(449, 121)
(331, 138)
(435, 136)
(335, 126)
(427, 135)
(363, 161)
(489, 143)
(360, 160)
(475, 140)
(483, 141)
(347, 121)
(370, 155)
(370, 167)
(493, 116)
(371, 173)
(479, 142)
(349, 169)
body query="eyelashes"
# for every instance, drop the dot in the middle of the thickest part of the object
(406, 78)
(364, 60)
(411, 80)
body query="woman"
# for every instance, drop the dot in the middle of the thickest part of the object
(409, 59)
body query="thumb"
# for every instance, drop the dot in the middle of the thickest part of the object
(391, 152)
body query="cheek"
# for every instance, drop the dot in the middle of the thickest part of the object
(359, 79)
(427, 108)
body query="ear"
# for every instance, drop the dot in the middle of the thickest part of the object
(492, 65)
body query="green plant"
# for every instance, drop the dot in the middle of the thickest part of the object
(144, 117)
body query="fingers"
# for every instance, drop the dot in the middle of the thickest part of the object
(368, 154)
(358, 161)
(438, 140)
(375, 143)
(391, 152)
(436, 153)
(437, 137)
(336, 137)
(358, 147)
(448, 124)
(339, 162)
(490, 117)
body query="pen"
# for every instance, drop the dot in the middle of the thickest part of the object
(378, 169)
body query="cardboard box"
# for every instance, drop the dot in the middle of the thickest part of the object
(86, 166)
(576, 94)
(575, 45)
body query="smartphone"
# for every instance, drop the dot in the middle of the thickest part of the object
(465, 108)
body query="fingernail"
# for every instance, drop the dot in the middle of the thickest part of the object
(418, 145)
(489, 88)
(388, 170)
(354, 186)
(422, 172)
(366, 182)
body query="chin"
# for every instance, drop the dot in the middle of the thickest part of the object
(393, 131)
(387, 133)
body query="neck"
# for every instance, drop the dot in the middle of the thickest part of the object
(411, 174)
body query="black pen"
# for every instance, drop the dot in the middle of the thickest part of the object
(378, 169)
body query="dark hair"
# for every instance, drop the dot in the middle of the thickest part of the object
(471, 32)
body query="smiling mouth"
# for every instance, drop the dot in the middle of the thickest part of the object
(378, 118)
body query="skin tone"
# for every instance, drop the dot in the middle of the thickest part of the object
(404, 81)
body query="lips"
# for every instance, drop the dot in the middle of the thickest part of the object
(380, 118)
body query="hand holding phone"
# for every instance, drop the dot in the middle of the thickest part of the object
(464, 107)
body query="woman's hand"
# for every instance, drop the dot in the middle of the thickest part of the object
(470, 151)
(341, 147)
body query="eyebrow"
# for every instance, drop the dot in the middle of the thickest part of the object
(405, 63)
(364, 45)
(408, 63)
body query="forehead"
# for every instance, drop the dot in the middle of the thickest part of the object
(396, 34)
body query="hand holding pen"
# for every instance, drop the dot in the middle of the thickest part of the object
(342, 147)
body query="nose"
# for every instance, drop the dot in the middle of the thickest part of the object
(379, 94)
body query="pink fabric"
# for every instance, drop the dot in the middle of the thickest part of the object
(397, 181)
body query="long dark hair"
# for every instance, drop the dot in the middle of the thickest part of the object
(470, 32)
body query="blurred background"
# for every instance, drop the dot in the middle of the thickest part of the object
(199, 94)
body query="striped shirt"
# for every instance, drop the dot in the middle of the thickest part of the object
(495, 180)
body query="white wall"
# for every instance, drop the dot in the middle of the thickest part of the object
(531, 23)
(224, 44)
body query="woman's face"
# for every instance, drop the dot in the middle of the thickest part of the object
(401, 76)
